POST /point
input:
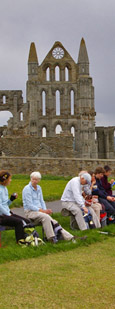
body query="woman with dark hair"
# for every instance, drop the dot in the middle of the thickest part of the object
(6, 216)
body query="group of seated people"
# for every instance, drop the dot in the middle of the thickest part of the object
(85, 195)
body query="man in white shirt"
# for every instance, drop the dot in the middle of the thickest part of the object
(73, 201)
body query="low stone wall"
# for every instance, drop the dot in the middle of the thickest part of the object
(53, 166)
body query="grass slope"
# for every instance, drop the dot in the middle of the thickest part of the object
(10, 251)
(81, 278)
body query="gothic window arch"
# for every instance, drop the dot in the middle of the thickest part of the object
(57, 73)
(58, 129)
(48, 74)
(44, 132)
(72, 101)
(57, 95)
(21, 116)
(73, 131)
(4, 99)
(43, 103)
(66, 74)
(95, 136)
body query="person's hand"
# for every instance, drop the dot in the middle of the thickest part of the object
(49, 211)
(13, 197)
(83, 194)
(85, 209)
(93, 182)
(111, 198)
(111, 181)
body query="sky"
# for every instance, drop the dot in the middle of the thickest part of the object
(67, 21)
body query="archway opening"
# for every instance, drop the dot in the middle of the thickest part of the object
(58, 129)
(43, 103)
(66, 74)
(21, 116)
(48, 74)
(4, 99)
(44, 132)
(57, 73)
(72, 101)
(73, 131)
(57, 102)
(4, 117)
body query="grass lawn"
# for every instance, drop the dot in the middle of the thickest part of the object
(10, 251)
(80, 278)
(64, 275)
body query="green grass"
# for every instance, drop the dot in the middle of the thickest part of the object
(10, 251)
(64, 275)
(52, 187)
(83, 278)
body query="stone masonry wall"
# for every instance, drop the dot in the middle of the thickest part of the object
(52, 166)
(37, 147)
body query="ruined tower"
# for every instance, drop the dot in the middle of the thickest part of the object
(60, 95)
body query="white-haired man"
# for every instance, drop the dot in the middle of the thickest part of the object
(73, 201)
(35, 209)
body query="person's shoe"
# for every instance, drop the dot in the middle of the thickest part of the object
(53, 240)
(73, 240)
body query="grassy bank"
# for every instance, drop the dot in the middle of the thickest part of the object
(10, 251)
(82, 278)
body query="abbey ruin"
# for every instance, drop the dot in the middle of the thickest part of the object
(58, 118)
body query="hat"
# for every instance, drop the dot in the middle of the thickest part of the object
(87, 177)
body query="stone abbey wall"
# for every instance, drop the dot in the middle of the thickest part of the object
(52, 166)
(59, 99)
(58, 146)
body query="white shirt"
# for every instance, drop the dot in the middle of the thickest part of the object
(73, 192)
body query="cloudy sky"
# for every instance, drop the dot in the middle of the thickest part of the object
(67, 21)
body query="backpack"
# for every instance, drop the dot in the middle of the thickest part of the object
(88, 219)
(31, 239)
(103, 218)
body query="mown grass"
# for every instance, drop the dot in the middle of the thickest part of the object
(64, 275)
(81, 278)
(52, 187)
(10, 251)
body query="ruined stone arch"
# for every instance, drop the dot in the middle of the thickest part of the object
(57, 70)
(57, 102)
(58, 129)
(47, 70)
(67, 69)
(56, 123)
(21, 116)
(43, 102)
(44, 131)
(72, 130)
(72, 124)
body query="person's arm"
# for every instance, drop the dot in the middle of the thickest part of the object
(78, 196)
(43, 205)
(4, 210)
(106, 185)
